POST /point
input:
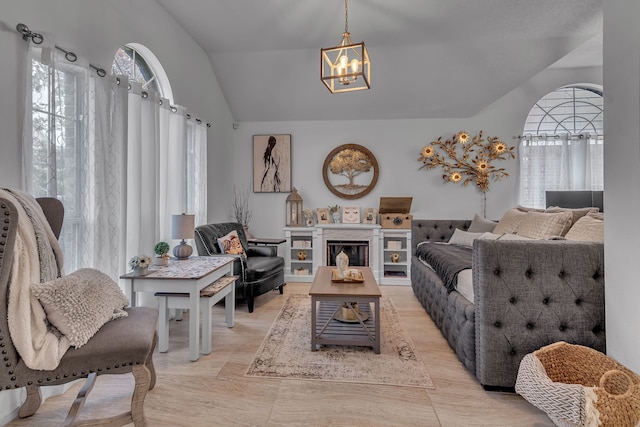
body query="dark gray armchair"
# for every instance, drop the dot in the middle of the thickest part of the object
(121, 346)
(261, 271)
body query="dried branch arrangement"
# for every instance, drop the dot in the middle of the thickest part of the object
(466, 159)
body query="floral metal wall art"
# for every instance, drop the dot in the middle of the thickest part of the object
(468, 159)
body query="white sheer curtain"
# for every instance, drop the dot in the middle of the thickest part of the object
(558, 162)
(122, 161)
(102, 172)
(74, 141)
(197, 170)
(166, 169)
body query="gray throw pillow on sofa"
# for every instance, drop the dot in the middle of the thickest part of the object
(481, 225)
(463, 238)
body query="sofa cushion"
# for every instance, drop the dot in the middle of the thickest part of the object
(509, 221)
(231, 244)
(80, 303)
(463, 238)
(539, 225)
(481, 225)
(587, 228)
(577, 213)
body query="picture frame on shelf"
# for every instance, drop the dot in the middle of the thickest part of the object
(272, 163)
(370, 216)
(323, 216)
(351, 215)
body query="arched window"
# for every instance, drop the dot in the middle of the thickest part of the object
(141, 65)
(562, 144)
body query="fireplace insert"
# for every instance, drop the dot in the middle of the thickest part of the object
(357, 251)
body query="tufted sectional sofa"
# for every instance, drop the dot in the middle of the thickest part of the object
(527, 294)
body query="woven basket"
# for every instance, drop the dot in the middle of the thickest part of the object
(579, 386)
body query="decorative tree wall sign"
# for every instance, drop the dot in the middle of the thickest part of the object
(350, 171)
(468, 160)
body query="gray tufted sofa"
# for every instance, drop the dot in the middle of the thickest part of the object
(527, 295)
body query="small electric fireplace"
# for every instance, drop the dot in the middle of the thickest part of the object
(357, 251)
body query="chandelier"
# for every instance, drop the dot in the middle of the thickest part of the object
(345, 67)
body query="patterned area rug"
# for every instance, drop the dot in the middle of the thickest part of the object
(286, 352)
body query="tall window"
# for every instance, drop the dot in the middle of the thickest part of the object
(57, 126)
(87, 140)
(562, 145)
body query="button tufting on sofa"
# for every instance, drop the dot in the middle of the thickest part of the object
(529, 325)
(545, 301)
(497, 324)
(578, 301)
(512, 300)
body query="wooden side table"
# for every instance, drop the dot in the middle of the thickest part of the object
(266, 241)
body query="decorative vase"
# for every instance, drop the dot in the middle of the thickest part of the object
(142, 271)
(347, 313)
(336, 217)
(161, 261)
(342, 262)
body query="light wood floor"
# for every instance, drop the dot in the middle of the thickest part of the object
(214, 391)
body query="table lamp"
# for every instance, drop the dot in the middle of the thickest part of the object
(182, 227)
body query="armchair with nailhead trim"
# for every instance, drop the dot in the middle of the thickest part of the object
(122, 346)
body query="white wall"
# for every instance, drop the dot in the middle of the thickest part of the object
(95, 30)
(622, 179)
(396, 144)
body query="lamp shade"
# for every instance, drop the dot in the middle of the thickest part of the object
(182, 226)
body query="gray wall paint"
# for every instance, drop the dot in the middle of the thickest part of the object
(396, 145)
(622, 179)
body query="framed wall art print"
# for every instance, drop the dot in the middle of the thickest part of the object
(272, 163)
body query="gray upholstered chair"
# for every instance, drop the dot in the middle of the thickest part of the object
(120, 346)
(261, 271)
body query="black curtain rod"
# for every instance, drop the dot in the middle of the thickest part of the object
(556, 136)
(37, 38)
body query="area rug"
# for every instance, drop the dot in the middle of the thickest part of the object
(286, 352)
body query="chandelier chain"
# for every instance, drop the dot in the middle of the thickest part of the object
(346, 16)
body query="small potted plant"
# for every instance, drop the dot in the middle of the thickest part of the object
(140, 264)
(335, 213)
(161, 250)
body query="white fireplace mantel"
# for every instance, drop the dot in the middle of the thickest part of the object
(347, 232)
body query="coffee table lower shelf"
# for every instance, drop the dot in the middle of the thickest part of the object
(327, 330)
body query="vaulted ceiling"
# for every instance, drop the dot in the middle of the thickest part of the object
(430, 58)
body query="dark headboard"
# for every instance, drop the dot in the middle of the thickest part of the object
(575, 199)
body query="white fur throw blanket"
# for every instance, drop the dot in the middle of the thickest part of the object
(37, 258)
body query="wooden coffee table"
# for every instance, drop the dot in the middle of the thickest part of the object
(327, 298)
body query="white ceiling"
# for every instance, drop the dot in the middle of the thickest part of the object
(429, 58)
